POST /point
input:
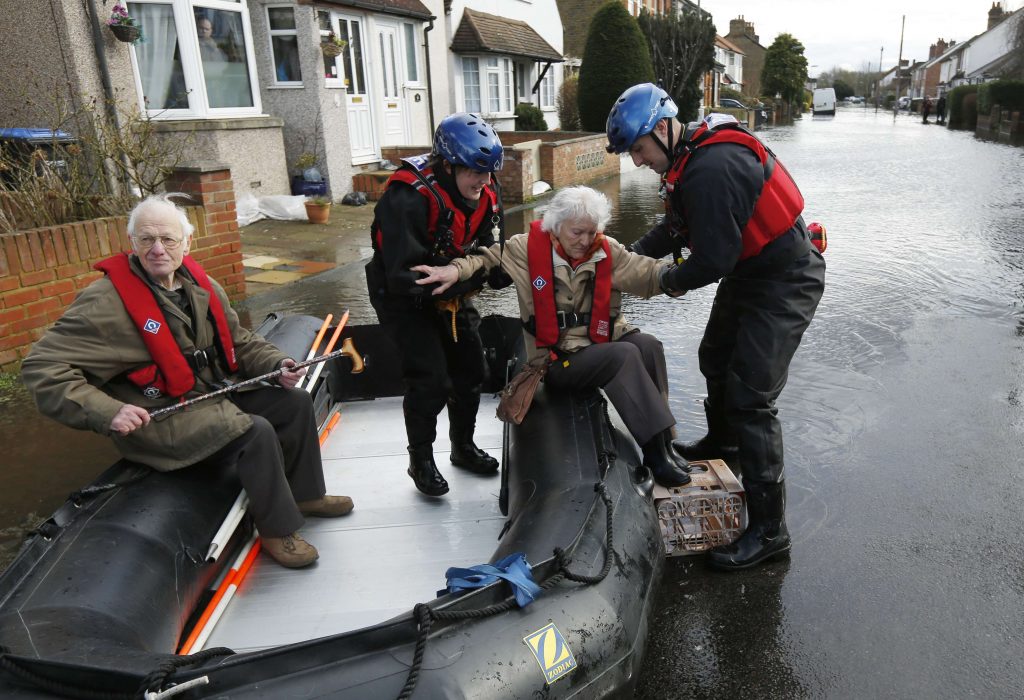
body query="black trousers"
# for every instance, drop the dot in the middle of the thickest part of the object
(755, 327)
(632, 372)
(437, 369)
(278, 457)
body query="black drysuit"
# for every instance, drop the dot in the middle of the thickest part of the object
(762, 306)
(437, 369)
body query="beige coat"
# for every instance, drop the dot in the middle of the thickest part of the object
(76, 374)
(631, 273)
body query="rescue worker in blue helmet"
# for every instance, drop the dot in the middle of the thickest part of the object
(731, 202)
(435, 208)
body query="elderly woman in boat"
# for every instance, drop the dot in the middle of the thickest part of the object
(570, 278)
(156, 329)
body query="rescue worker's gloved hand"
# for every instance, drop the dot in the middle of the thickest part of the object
(665, 281)
(497, 278)
(635, 247)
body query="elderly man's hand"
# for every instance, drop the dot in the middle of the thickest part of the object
(288, 378)
(444, 277)
(129, 418)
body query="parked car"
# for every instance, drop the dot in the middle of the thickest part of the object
(903, 102)
(731, 104)
(760, 114)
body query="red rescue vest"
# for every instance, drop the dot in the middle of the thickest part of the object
(779, 204)
(170, 374)
(450, 230)
(542, 275)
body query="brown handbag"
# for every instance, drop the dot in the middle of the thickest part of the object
(515, 399)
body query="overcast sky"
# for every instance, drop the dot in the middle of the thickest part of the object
(849, 33)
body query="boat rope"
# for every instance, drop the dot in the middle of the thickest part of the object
(425, 616)
(155, 681)
(152, 684)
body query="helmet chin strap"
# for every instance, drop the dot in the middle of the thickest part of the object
(666, 149)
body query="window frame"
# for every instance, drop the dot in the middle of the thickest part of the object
(183, 13)
(548, 102)
(271, 33)
(479, 84)
(415, 53)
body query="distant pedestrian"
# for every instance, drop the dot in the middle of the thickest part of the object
(926, 109)
(940, 110)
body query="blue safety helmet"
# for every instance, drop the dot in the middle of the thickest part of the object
(466, 139)
(635, 113)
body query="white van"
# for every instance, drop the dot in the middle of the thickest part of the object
(824, 101)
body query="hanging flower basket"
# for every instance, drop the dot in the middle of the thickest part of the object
(126, 33)
(332, 45)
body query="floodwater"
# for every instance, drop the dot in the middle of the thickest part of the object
(903, 422)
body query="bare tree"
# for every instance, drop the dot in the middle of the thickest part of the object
(682, 50)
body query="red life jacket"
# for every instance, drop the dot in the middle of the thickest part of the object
(449, 229)
(170, 374)
(542, 273)
(779, 204)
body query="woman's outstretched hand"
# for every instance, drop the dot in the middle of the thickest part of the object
(444, 277)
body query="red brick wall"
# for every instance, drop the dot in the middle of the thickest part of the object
(576, 161)
(42, 270)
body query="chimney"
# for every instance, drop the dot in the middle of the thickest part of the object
(995, 14)
(737, 27)
(937, 49)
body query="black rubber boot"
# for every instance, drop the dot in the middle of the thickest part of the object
(680, 462)
(662, 464)
(766, 537)
(705, 448)
(468, 456)
(424, 472)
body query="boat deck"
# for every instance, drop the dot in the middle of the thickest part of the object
(390, 553)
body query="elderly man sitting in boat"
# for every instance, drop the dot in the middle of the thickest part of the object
(570, 277)
(155, 330)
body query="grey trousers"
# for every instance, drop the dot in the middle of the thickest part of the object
(278, 457)
(632, 371)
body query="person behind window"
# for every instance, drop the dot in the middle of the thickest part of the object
(156, 329)
(570, 277)
(209, 50)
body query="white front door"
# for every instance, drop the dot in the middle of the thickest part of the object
(362, 138)
(391, 76)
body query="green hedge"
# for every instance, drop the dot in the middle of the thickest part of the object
(1008, 94)
(963, 107)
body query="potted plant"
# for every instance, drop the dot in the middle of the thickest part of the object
(332, 45)
(124, 26)
(318, 209)
(307, 180)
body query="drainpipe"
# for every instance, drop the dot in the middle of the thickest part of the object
(430, 82)
(108, 87)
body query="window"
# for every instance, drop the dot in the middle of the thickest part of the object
(471, 84)
(284, 45)
(500, 85)
(412, 72)
(522, 84)
(196, 68)
(547, 89)
(352, 56)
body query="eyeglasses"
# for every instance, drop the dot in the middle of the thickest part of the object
(147, 242)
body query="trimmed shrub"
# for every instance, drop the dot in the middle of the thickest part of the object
(615, 58)
(568, 104)
(963, 112)
(529, 118)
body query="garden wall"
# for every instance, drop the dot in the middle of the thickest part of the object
(42, 270)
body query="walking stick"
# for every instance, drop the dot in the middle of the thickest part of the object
(247, 382)
(316, 344)
(330, 346)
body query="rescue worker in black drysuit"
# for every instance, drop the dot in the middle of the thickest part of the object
(436, 208)
(734, 206)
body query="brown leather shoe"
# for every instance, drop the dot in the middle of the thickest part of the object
(326, 506)
(291, 550)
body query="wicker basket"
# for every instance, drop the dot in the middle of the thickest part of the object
(126, 33)
(331, 49)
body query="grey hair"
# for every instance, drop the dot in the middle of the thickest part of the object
(165, 200)
(578, 202)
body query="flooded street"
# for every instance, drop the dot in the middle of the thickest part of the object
(903, 422)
